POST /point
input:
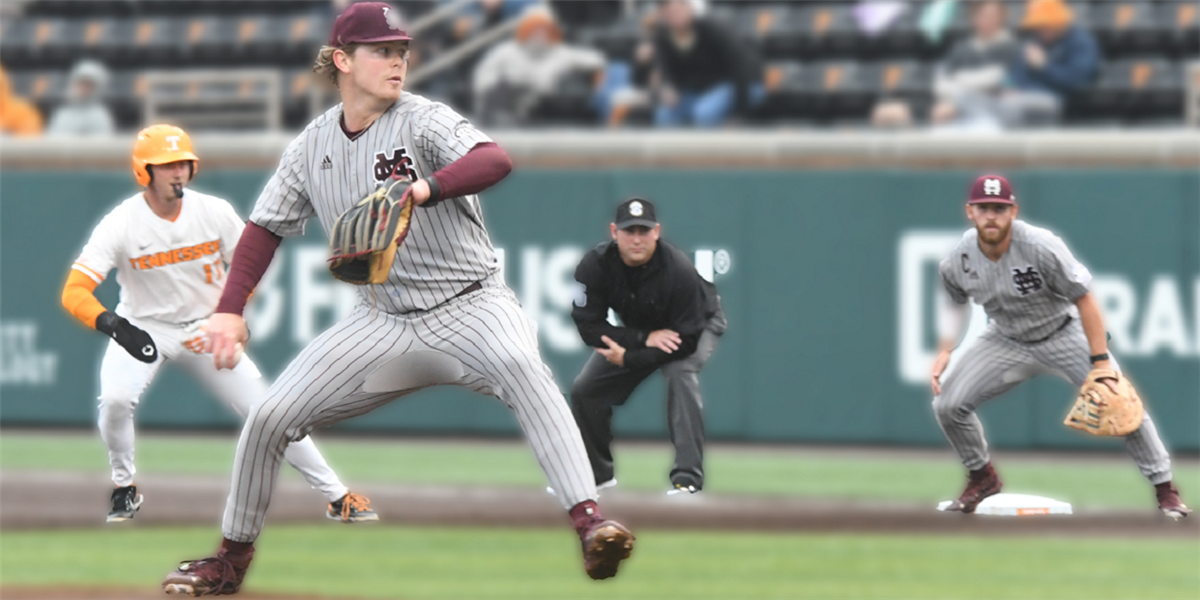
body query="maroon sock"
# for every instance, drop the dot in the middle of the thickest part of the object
(237, 553)
(583, 515)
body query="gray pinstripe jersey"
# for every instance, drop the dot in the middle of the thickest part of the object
(324, 172)
(1029, 292)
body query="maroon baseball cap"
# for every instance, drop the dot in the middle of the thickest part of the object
(992, 189)
(366, 23)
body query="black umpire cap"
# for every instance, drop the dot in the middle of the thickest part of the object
(634, 212)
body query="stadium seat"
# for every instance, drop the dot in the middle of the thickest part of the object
(1127, 27)
(154, 40)
(770, 27)
(901, 78)
(617, 40)
(1132, 90)
(828, 30)
(1180, 23)
(35, 42)
(42, 87)
(784, 90)
(570, 104)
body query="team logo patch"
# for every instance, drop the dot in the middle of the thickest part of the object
(991, 187)
(636, 209)
(393, 19)
(398, 162)
(1027, 281)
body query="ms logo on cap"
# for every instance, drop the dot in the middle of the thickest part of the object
(991, 187)
(393, 19)
(635, 208)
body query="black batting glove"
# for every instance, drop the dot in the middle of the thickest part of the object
(134, 340)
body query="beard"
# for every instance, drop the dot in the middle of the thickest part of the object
(993, 236)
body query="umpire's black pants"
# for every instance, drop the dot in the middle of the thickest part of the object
(602, 385)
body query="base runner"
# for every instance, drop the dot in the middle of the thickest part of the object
(1043, 320)
(169, 245)
(441, 314)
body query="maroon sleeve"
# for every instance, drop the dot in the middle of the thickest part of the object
(253, 255)
(479, 169)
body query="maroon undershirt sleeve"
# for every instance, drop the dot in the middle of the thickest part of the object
(480, 168)
(253, 255)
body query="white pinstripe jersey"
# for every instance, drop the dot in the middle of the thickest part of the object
(324, 173)
(170, 271)
(1029, 292)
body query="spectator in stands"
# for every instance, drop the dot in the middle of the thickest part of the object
(626, 85)
(704, 71)
(969, 80)
(1060, 58)
(85, 113)
(515, 75)
(975, 70)
(18, 117)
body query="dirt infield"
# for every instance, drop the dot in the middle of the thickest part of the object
(35, 499)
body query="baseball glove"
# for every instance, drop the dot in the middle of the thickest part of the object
(1099, 411)
(364, 239)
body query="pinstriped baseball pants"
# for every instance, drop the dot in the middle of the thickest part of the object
(997, 364)
(485, 330)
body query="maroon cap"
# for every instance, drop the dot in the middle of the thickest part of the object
(992, 189)
(368, 22)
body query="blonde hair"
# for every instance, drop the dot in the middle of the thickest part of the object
(325, 67)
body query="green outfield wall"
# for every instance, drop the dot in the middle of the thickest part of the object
(827, 278)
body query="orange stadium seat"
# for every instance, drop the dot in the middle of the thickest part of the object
(1180, 22)
(1125, 27)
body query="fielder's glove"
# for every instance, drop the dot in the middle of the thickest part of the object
(1099, 411)
(134, 340)
(364, 239)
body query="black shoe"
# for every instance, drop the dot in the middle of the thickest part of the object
(125, 502)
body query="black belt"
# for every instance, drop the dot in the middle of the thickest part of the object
(1056, 330)
(474, 287)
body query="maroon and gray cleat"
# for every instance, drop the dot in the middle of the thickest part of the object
(1169, 501)
(220, 575)
(980, 484)
(605, 545)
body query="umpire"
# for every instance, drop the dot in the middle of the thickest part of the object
(671, 319)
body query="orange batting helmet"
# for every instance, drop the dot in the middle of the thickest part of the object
(159, 145)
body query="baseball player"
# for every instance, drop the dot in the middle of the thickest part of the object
(1042, 320)
(671, 321)
(169, 245)
(442, 317)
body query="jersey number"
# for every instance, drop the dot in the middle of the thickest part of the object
(208, 272)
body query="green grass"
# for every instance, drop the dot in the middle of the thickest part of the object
(394, 562)
(731, 470)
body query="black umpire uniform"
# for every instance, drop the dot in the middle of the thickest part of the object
(664, 293)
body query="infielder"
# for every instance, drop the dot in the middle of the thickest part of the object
(169, 245)
(443, 316)
(1043, 320)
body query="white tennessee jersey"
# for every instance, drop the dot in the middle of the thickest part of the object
(324, 172)
(169, 271)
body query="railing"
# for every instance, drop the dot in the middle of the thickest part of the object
(709, 150)
(215, 99)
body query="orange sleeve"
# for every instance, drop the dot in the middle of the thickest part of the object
(78, 299)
